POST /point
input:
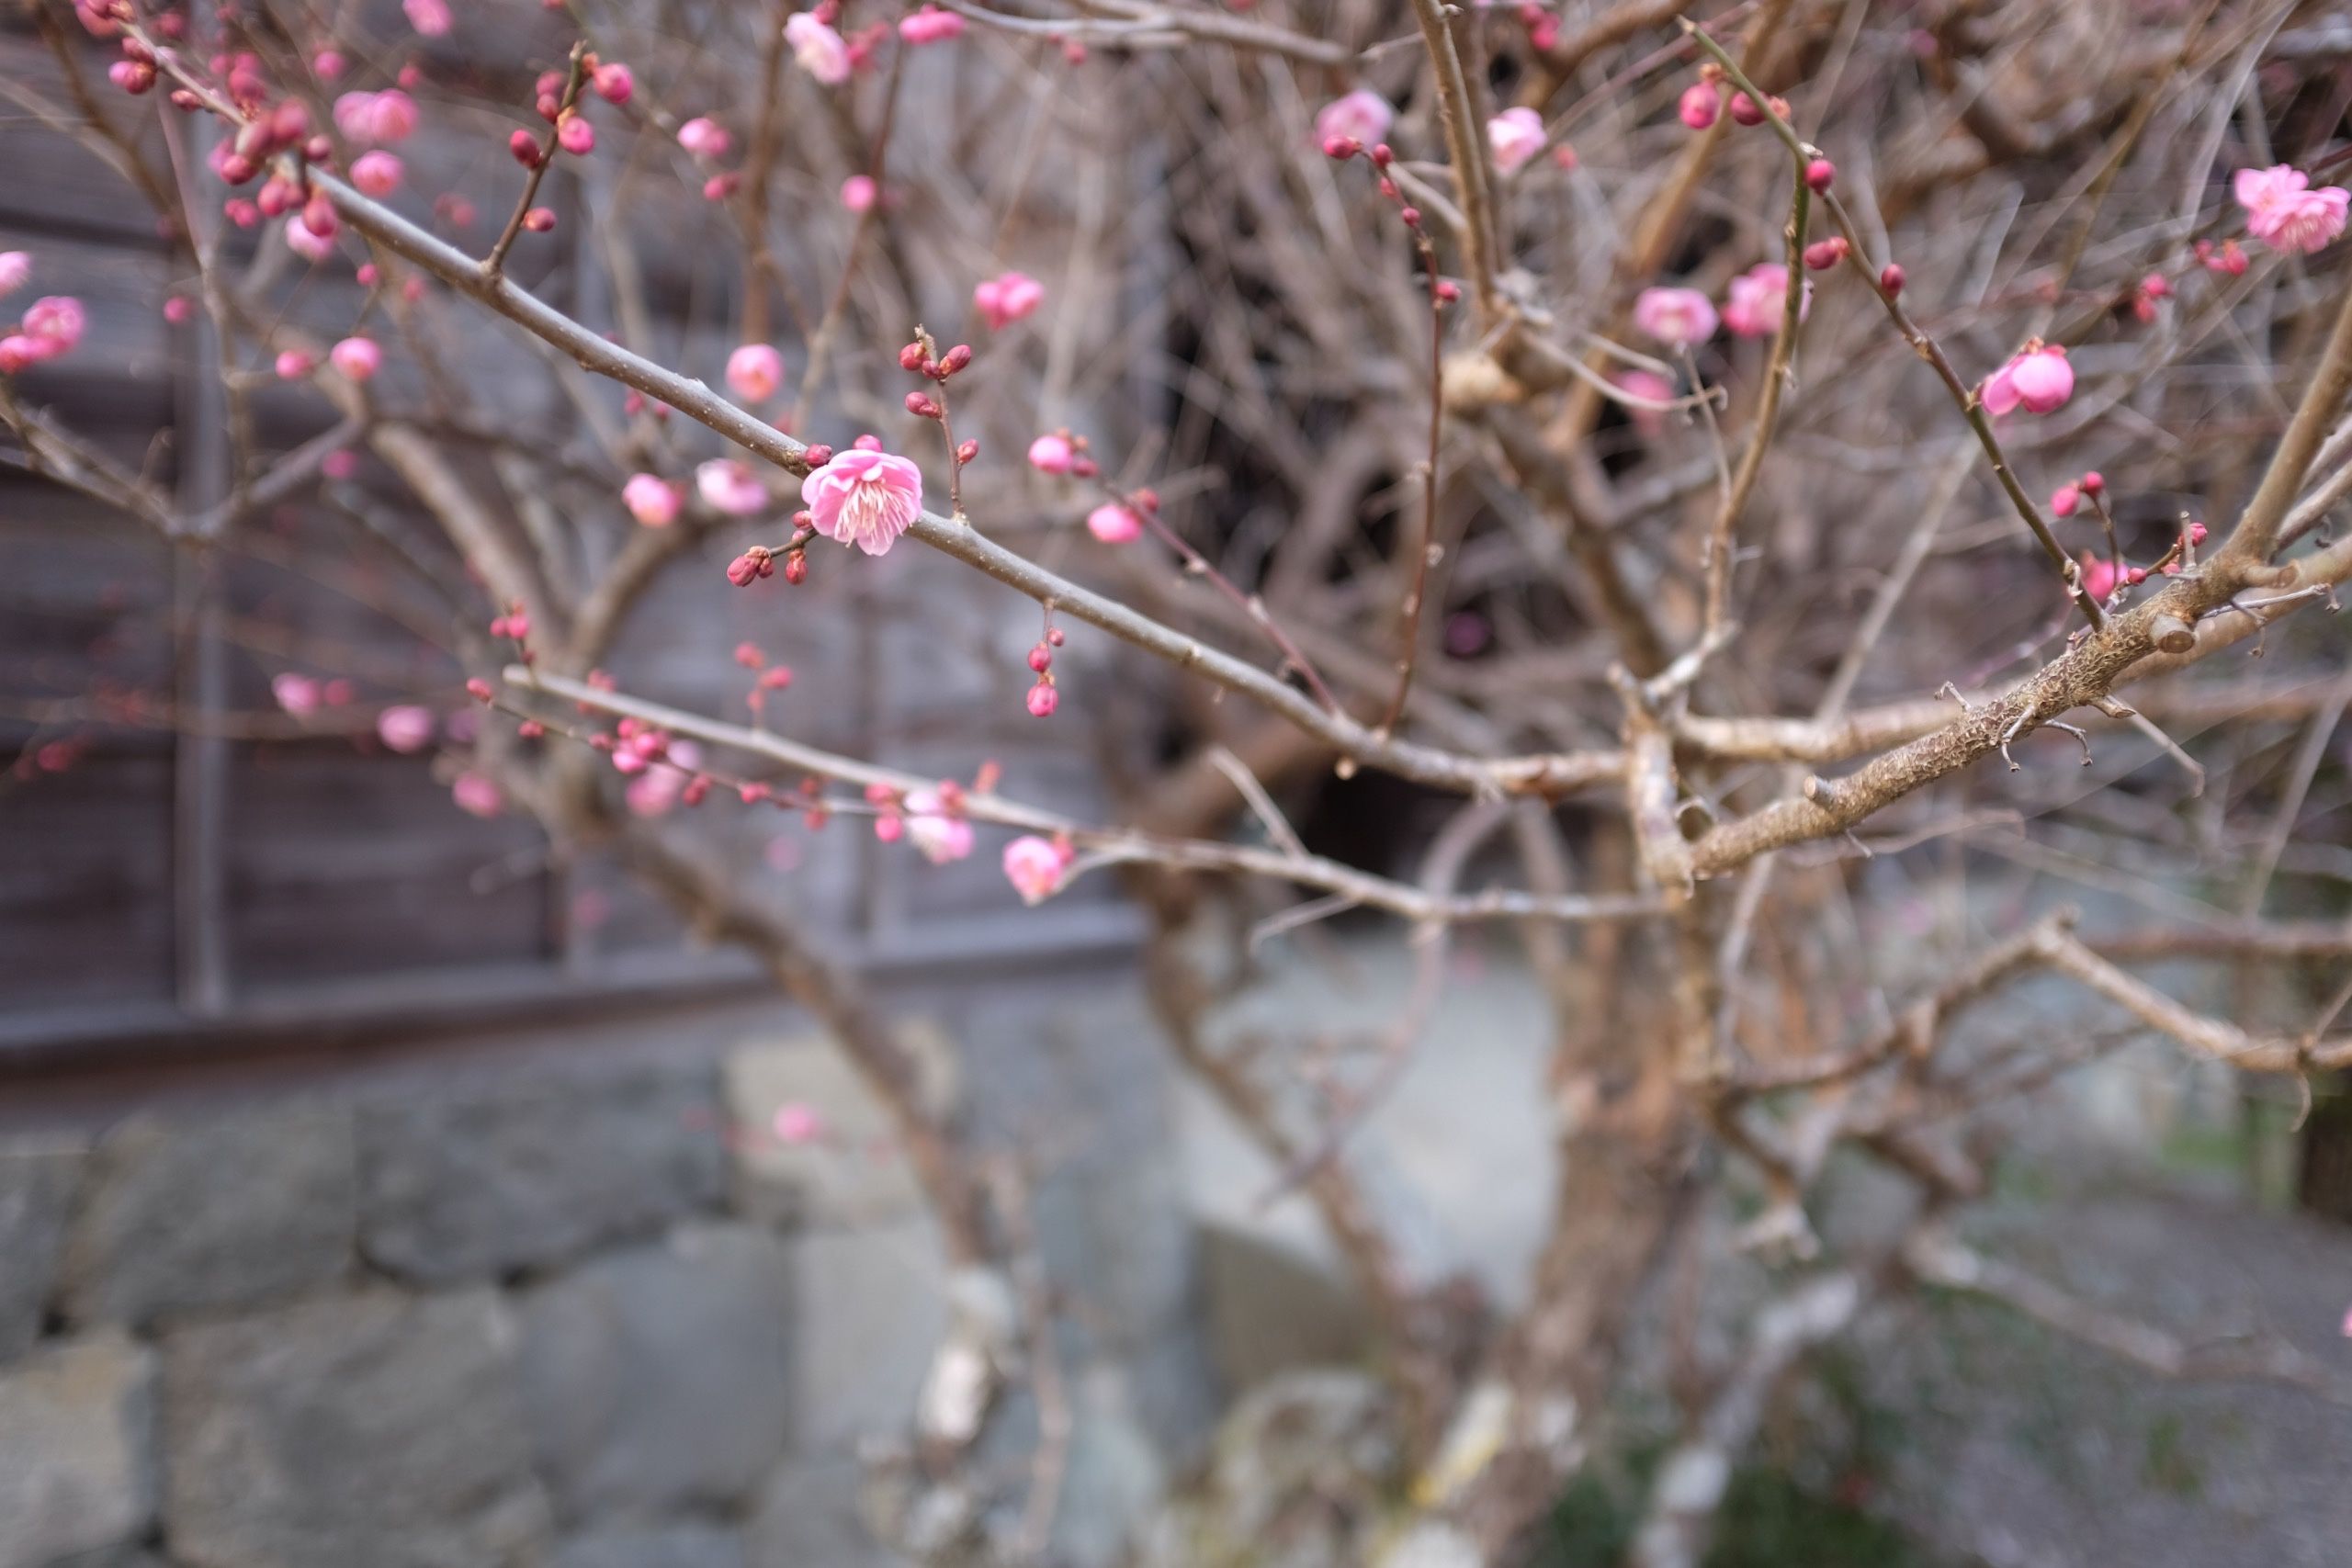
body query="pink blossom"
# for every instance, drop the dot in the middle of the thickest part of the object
(817, 48)
(705, 137)
(54, 324)
(942, 837)
(1758, 295)
(329, 64)
(1007, 297)
(1651, 387)
(2098, 577)
(663, 784)
(1514, 136)
(405, 729)
(1052, 454)
(615, 83)
(293, 364)
(376, 173)
(475, 793)
(2037, 378)
(1114, 523)
(16, 271)
(575, 135)
(430, 17)
(931, 25)
(651, 499)
(2284, 213)
(731, 487)
(864, 498)
(305, 243)
(358, 357)
(859, 191)
(755, 371)
(378, 117)
(1702, 102)
(297, 695)
(795, 1124)
(1681, 317)
(1034, 868)
(1362, 115)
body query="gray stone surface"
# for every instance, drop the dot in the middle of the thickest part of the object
(76, 1436)
(659, 1379)
(870, 1307)
(205, 1214)
(36, 1193)
(480, 1183)
(654, 1546)
(369, 1430)
(807, 1515)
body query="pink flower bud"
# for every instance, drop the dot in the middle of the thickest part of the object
(1114, 523)
(967, 451)
(1051, 453)
(1513, 137)
(478, 689)
(2094, 483)
(133, 76)
(1891, 280)
(575, 135)
(477, 794)
(405, 729)
(1043, 699)
(1008, 298)
(376, 173)
(327, 64)
(615, 83)
(931, 25)
(921, 406)
(1823, 255)
(16, 271)
(1702, 102)
(1819, 175)
(430, 17)
(2064, 498)
(293, 364)
(1034, 866)
(704, 138)
(358, 357)
(858, 192)
(540, 220)
(955, 359)
(755, 371)
(1041, 659)
(524, 147)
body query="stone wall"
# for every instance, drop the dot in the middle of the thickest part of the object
(578, 1309)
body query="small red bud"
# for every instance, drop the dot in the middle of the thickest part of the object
(1383, 155)
(540, 220)
(955, 359)
(1819, 173)
(818, 456)
(1041, 659)
(1448, 290)
(795, 568)
(478, 689)
(2094, 483)
(2063, 500)
(1342, 148)
(742, 571)
(1411, 215)
(1044, 699)
(921, 406)
(530, 730)
(1823, 255)
(525, 148)
(912, 356)
(1891, 278)
(968, 450)
(1744, 110)
(1054, 636)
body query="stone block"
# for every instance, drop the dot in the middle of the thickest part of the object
(227, 1212)
(365, 1430)
(654, 1546)
(659, 1379)
(486, 1183)
(77, 1467)
(810, 1515)
(36, 1194)
(870, 1308)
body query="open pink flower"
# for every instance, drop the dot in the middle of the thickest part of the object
(52, 325)
(1007, 297)
(1681, 317)
(1753, 306)
(817, 48)
(940, 836)
(16, 271)
(705, 137)
(651, 499)
(477, 794)
(378, 174)
(1034, 868)
(2037, 379)
(358, 357)
(1514, 136)
(1114, 523)
(2284, 213)
(864, 498)
(1362, 115)
(731, 487)
(405, 729)
(755, 371)
(430, 17)
(859, 191)
(931, 25)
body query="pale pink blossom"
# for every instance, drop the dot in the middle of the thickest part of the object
(376, 118)
(755, 371)
(297, 695)
(378, 174)
(931, 25)
(864, 498)
(1114, 523)
(1513, 137)
(659, 788)
(796, 1123)
(1362, 115)
(1679, 317)
(705, 137)
(1034, 868)
(477, 794)
(1007, 297)
(305, 243)
(859, 191)
(1752, 307)
(2284, 213)
(1650, 387)
(1052, 454)
(54, 324)
(731, 487)
(358, 357)
(817, 48)
(16, 271)
(651, 499)
(430, 17)
(940, 836)
(405, 729)
(2037, 379)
